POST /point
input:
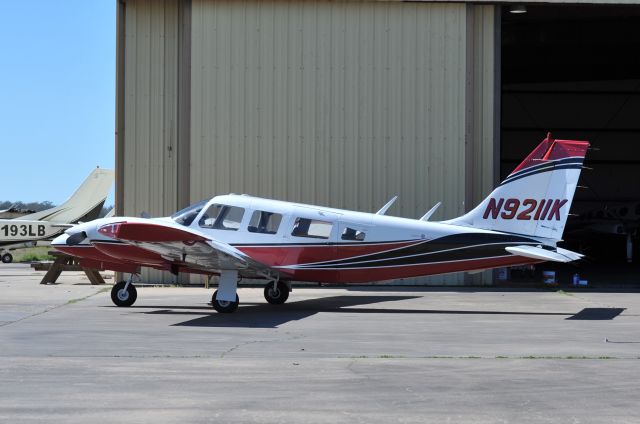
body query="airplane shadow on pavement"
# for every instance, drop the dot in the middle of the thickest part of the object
(263, 315)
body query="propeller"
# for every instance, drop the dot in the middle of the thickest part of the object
(76, 238)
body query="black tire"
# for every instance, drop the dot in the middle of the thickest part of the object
(123, 298)
(277, 296)
(224, 306)
(7, 258)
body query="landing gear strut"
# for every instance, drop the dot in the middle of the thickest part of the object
(124, 293)
(276, 293)
(225, 299)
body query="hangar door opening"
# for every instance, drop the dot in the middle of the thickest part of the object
(575, 71)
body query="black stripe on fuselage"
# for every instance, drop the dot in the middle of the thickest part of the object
(449, 248)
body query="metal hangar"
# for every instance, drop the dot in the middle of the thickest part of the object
(348, 103)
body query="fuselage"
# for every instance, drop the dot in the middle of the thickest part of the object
(311, 243)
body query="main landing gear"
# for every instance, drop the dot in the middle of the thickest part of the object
(224, 306)
(124, 293)
(226, 300)
(7, 258)
(277, 292)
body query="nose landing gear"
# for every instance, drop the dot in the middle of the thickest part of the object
(124, 293)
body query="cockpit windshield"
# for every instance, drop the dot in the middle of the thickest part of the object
(187, 215)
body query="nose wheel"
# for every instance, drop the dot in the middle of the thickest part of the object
(276, 293)
(124, 294)
(7, 258)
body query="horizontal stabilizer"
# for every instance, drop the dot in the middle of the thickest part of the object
(536, 252)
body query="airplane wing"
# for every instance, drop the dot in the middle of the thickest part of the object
(536, 252)
(185, 247)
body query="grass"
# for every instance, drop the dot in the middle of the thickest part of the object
(32, 254)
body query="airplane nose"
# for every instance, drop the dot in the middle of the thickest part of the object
(60, 240)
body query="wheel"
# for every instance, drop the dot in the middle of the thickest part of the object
(224, 306)
(7, 258)
(277, 296)
(122, 297)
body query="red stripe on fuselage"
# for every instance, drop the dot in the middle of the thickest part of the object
(283, 255)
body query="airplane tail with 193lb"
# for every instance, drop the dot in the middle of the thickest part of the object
(534, 200)
(84, 205)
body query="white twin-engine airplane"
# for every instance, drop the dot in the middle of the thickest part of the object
(85, 204)
(243, 236)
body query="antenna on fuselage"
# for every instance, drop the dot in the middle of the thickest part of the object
(386, 207)
(427, 215)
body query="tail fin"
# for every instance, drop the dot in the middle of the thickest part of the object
(535, 198)
(84, 205)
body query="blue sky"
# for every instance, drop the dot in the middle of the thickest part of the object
(57, 95)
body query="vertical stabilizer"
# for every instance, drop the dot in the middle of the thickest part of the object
(535, 198)
(84, 205)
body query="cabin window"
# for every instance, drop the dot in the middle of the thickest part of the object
(187, 215)
(222, 217)
(305, 227)
(353, 234)
(264, 222)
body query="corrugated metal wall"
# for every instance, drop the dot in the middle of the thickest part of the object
(343, 104)
(150, 110)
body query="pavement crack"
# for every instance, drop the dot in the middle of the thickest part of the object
(68, 302)
(239, 345)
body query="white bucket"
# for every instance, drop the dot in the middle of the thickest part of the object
(549, 277)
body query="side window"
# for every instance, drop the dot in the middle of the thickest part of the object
(353, 234)
(264, 222)
(305, 227)
(222, 217)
